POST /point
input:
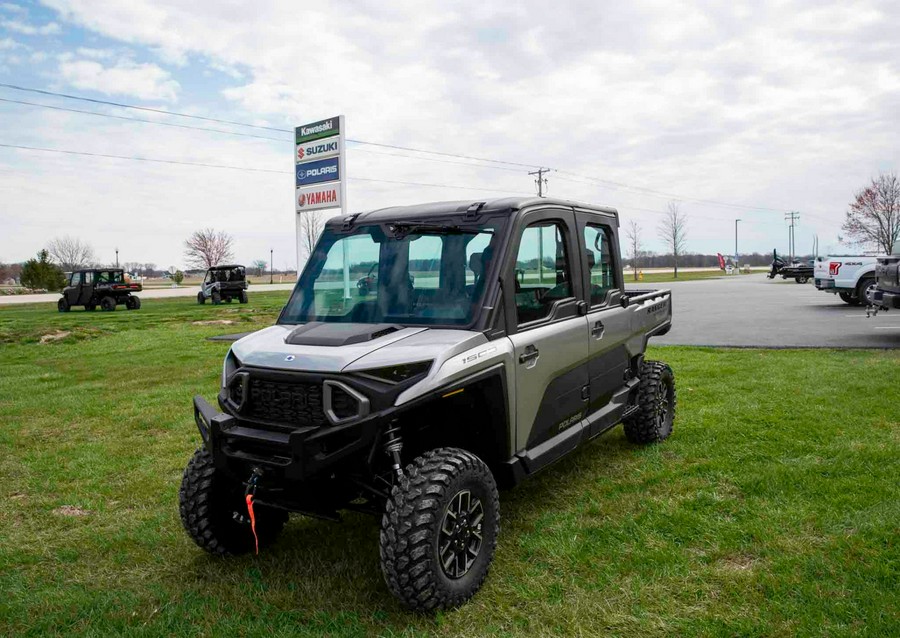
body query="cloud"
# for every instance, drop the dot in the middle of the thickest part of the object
(17, 26)
(774, 104)
(144, 81)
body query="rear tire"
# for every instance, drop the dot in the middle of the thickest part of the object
(801, 280)
(200, 298)
(227, 299)
(439, 530)
(63, 305)
(243, 297)
(108, 304)
(862, 290)
(133, 303)
(656, 405)
(216, 298)
(848, 298)
(208, 501)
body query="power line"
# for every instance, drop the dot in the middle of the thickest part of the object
(267, 128)
(236, 168)
(138, 119)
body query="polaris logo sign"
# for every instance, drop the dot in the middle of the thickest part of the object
(319, 149)
(310, 173)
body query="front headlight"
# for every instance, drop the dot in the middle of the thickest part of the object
(230, 366)
(399, 373)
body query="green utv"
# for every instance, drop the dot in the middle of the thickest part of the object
(495, 338)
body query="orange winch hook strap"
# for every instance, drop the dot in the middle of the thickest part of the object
(252, 520)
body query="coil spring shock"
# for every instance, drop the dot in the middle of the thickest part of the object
(393, 445)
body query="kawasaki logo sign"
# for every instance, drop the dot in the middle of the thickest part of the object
(318, 130)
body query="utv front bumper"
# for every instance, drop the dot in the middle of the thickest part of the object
(302, 453)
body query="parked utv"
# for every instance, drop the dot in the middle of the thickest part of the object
(223, 283)
(514, 344)
(104, 287)
(885, 294)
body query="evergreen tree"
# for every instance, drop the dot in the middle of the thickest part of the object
(41, 273)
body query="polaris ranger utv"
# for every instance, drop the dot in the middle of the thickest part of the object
(223, 283)
(104, 287)
(513, 344)
(885, 294)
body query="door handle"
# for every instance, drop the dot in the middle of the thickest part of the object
(530, 353)
(597, 329)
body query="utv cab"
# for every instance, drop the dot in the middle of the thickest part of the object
(104, 287)
(223, 283)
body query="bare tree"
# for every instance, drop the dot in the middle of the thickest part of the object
(208, 247)
(70, 253)
(311, 226)
(260, 266)
(874, 216)
(633, 233)
(673, 231)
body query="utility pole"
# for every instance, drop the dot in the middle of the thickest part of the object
(271, 264)
(117, 257)
(792, 216)
(737, 268)
(540, 180)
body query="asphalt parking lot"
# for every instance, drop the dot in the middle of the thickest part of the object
(752, 311)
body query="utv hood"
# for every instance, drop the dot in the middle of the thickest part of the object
(339, 347)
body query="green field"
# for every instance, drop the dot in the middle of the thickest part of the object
(772, 511)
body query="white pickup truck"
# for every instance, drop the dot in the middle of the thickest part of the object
(848, 276)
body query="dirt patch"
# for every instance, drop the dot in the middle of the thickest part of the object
(70, 510)
(738, 563)
(50, 337)
(215, 322)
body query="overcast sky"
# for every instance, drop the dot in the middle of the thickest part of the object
(770, 106)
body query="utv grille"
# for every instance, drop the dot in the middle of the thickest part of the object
(285, 402)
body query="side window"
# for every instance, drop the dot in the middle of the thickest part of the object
(543, 271)
(75, 279)
(88, 278)
(598, 249)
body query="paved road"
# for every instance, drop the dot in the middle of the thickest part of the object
(750, 310)
(149, 293)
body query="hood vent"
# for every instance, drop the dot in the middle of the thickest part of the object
(318, 333)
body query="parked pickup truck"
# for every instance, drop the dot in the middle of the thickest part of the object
(513, 344)
(848, 276)
(886, 293)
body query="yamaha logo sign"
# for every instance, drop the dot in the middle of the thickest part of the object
(326, 196)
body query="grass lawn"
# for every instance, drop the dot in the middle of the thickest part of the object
(772, 511)
(666, 277)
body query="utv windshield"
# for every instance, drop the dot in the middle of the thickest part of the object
(407, 273)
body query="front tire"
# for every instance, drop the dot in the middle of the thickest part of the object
(801, 280)
(214, 513)
(63, 305)
(133, 303)
(848, 298)
(656, 405)
(862, 291)
(216, 298)
(200, 298)
(439, 530)
(243, 296)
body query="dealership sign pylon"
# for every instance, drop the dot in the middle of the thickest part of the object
(320, 171)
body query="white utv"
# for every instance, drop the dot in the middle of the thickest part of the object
(496, 338)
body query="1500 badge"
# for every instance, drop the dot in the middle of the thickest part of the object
(478, 355)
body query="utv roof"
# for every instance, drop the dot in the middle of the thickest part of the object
(99, 270)
(225, 266)
(443, 209)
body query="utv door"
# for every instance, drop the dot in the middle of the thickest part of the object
(608, 323)
(548, 333)
(86, 289)
(73, 291)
